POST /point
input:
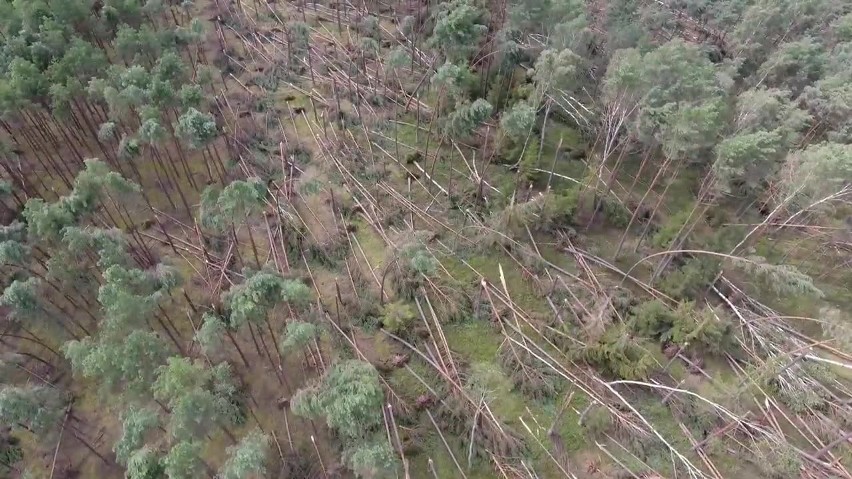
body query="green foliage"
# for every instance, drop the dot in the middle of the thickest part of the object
(817, 171)
(237, 201)
(684, 326)
(129, 362)
(198, 398)
(564, 20)
(770, 110)
(93, 183)
(397, 316)
(129, 296)
(678, 92)
(128, 148)
(836, 326)
(526, 154)
(654, 319)
(466, 117)
(782, 279)
(209, 214)
(518, 121)
(558, 209)
(13, 253)
(22, 298)
(26, 79)
(747, 160)
(136, 424)
(778, 460)
(557, 70)
(685, 129)
(617, 354)
(458, 30)
(192, 414)
(421, 262)
(198, 129)
(144, 464)
(10, 454)
(151, 131)
(830, 100)
(614, 212)
(251, 300)
(38, 408)
(178, 376)
(414, 263)
(709, 333)
(110, 245)
(247, 458)
(843, 28)
(545, 212)
(299, 334)
(209, 335)
(765, 112)
(794, 64)
(299, 37)
(137, 45)
(692, 278)
(598, 420)
(669, 230)
(372, 460)
(170, 68)
(14, 231)
(184, 461)
(453, 80)
(397, 59)
(369, 48)
(350, 398)
(369, 26)
(793, 384)
(46, 220)
(777, 21)
(242, 198)
(623, 80)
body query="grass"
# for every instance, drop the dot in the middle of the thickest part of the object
(371, 243)
(520, 289)
(434, 449)
(477, 343)
(569, 161)
(473, 340)
(405, 383)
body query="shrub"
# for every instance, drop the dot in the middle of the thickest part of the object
(615, 214)
(684, 326)
(664, 237)
(653, 319)
(691, 279)
(558, 209)
(397, 316)
(777, 460)
(529, 160)
(617, 354)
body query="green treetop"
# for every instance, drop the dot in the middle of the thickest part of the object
(350, 397)
(248, 458)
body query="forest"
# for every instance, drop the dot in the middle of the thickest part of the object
(405, 239)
